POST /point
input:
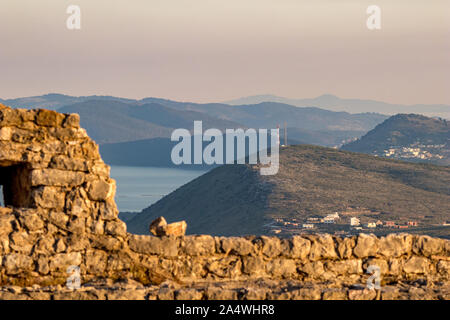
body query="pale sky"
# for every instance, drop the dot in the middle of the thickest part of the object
(215, 50)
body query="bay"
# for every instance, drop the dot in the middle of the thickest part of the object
(139, 187)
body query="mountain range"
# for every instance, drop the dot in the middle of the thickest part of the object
(330, 102)
(127, 124)
(334, 103)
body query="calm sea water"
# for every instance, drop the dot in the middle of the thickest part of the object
(139, 187)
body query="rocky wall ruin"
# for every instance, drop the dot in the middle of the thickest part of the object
(60, 212)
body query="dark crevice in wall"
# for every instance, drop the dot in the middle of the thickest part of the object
(15, 186)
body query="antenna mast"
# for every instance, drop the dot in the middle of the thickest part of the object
(285, 133)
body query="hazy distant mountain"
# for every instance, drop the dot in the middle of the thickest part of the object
(54, 101)
(409, 137)
(269, 114)
(331, 102)
(237, 200)
(114, 121)
(327, 102)
(265, 114)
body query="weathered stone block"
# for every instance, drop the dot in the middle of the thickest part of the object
(227, 267)
(9, 117)
(345, 247)
(49, 118)
(42, 265)
(6, 133)
(61, 261)
(443, 267)
(48, 197)
(366, 246)
(106, 242)
(65, 163)
(78, 225)
(416, 265)
(175, 229)
(72, 120)
(395, 245)
(353, 266)
(165, 246)
(78, 242)
(6, 221)
(16, 263)
(97, 227)
(95, 261)
(157, 226)
(31, 221)
(59, 219)
(119, 261)
(270, 246)
(44, 245)
(108, 210)
(60, 246)
(56, 177)
(89, 149)
(395, 266)
(237, 246)
(285, 268)
(428, 246)
(100, 169)
(322, 247)
(116, 228)
(300, 247)
(312, 269)
(68, 134)
(253, 266)
(199, 245)
(22, 242)
(101, 190)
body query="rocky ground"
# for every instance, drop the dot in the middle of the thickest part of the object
(260, 289)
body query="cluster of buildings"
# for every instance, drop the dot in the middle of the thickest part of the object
(415, 152)
(331, 218)
(355, 222)
(321, 222)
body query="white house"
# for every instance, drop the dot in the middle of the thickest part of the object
(354, 221)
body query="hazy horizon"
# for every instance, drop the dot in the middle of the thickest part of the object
(212, 101)
(213, 51)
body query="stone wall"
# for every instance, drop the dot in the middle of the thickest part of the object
(60, 212)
